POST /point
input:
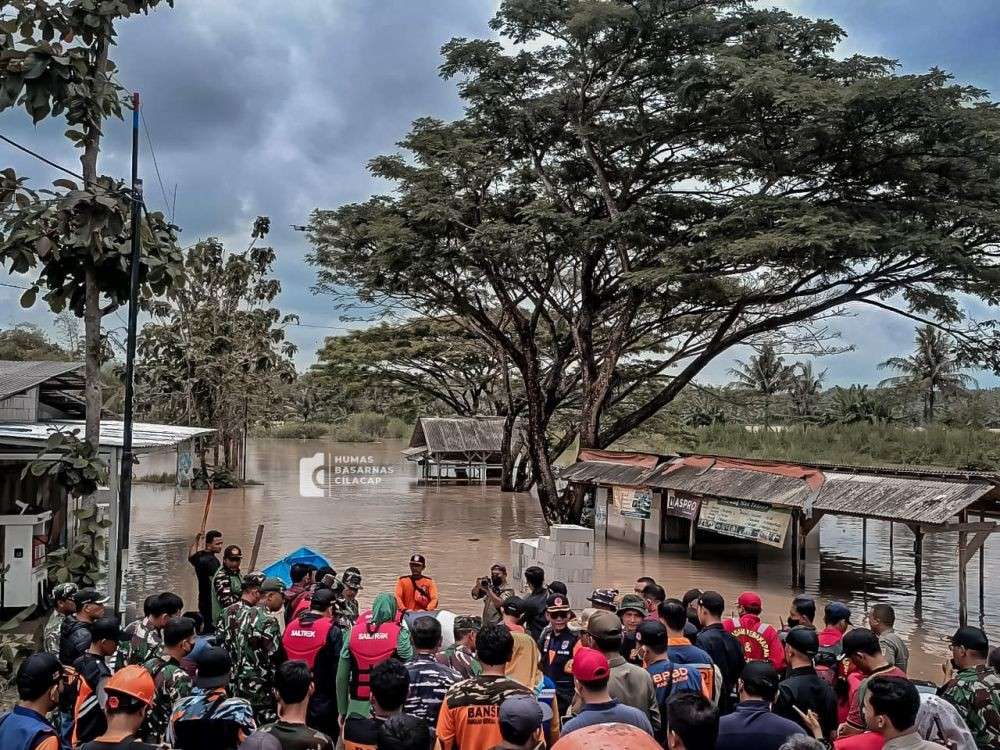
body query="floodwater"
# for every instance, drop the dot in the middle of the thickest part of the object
(375, 520)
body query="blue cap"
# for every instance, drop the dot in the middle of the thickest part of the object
(837, 611)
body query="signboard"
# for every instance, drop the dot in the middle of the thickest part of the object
(681, 507)
(185, 464)
(745, 519)
(633, 502)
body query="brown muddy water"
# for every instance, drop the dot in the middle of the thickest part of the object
(377, 525)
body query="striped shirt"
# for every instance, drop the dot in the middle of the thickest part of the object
(429, 681)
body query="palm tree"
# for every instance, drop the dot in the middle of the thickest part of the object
(857, 405)
(766, 374)
(805, 389)
(932, 369)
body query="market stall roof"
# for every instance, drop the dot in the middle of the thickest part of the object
(462, 435)
(606, 472)
(145, 436)
(18, 377)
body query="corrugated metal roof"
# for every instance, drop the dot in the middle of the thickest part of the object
(463, 435)
(144, 435)
(17, 377)
(605, 472)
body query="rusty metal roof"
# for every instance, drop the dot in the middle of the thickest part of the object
(606, 472)
(18, 377)
(473, 436)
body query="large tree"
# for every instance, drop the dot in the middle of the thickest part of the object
(764, 373)
(652, 182)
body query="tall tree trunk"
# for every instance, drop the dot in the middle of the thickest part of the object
(507, 454)
(930, 406)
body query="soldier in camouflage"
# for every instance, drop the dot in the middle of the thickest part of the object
(62, 597)
(347, 610)
(170, 679)
(461, 655)
(227, 582)
(252, 636)
(145, 639)
(973, 688)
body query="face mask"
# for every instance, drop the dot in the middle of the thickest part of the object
(794, 622)
(954, 663)
(497, 580)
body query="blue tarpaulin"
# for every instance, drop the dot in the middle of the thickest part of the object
(282, 568)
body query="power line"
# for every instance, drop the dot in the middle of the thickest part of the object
(15, 286)
(156, 166)
(61, 168)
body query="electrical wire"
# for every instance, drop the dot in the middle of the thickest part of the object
(156, 166)
(70, 172)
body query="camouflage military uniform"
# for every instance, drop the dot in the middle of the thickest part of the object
(172, 683)
(347, 612)
(461, 659)
(252, 638)
(227, 588)
(975, 692)
(53, 628)
(145, 643)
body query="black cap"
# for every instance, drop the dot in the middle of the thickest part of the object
(213, 668)
(557, 603)
(837, 612)
(37, 674)
(712, 601)
(760, 679)
(652, 633)
(233, 552)
(520, 715)
(971, 638)
(416, 559)
(88, 596)
(322, 598)
(804, 640)
(107, 629)
(513, 606)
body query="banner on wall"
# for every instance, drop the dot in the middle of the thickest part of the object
(681, 507)
(745, 519)
(633, 502)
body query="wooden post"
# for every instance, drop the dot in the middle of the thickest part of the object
(982, 577)
(642, 533)
(796, 542)
(256, 547)
(692, 536)
(963, 580)
(918, 562)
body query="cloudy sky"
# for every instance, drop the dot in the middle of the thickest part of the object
(263, 108)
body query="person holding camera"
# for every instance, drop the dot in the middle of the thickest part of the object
(494, 591)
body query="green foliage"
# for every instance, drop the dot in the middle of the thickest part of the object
(368, 427)
(24, 342)
(72, 462)
(857, 404)
(83, 564)
(294, 431)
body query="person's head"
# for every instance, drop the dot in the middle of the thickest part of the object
(604, 599)
(802, 611)
(272, 593)
(321, 601)
(214, 666)
(758, 681)
(498, 574)
(557, 612)
(969, 647)
(891, 706)
(802, 742)
(801, 646)
(652, 595)
(426, 633)
(640, 583)
(197, 619)
(417, 564)
(632, 611)
(711, 605)
(156, 611)
(302, 573)
(62, 598)
(690, 600)
(861, 646)
(390, 684)
(251, 593)
(692, 720)
(172, 603)
(652, 635)
(351, 583)
(232, 557)
(558, 587)
(837, 615)
(605, 631)
(129, 694)
(494, 646)
(520, 719)
(213, 541)
(535, 577)
(512, 610)
(179, 636)
(673, 614)
(404, 732)
(293, 683)
(591, 672)
(465, 630)
(881, 618)
(40, 681)
(105, 635)
(89, 605)
(749, 603)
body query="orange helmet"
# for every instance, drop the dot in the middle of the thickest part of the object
(607, 737)
(134, 681)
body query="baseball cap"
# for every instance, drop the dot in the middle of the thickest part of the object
(132, 680)
(603, 597)
(971, 638)
(513, 606)
(233, 552)
(107, 629)
(590, 664)
(468, 622)
(84, 597)
(713, 601)
(38, 673)
(64, 591)
(760, 678)
(837, 611)
(322, 598)
(557, 603)
(417, 559)
(750, 599)
(804, 640)
(213, 668)
(499, 565)
(253, 580)
(633, 602)
(652, 633)
(271, 583)
(520, 715)
(352, 580)
(604, 625)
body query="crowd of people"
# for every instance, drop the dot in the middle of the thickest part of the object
(265, 666)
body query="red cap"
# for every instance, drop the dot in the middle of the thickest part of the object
(590, 664)
(750, 599)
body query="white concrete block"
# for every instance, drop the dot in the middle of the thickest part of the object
(562, 532)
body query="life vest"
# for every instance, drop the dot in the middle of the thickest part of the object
(368, 647)
(304, 636)
(23, 727)
(755, 645)
(86, 706)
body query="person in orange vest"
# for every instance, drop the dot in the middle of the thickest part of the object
(760, 641)
(416, 591)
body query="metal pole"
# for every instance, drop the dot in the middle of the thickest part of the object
(982, 576)
(125, 486)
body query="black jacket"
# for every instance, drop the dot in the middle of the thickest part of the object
(74, 640)
(807, 690)
(727, 655)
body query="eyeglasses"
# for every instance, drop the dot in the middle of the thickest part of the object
(559, 615)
